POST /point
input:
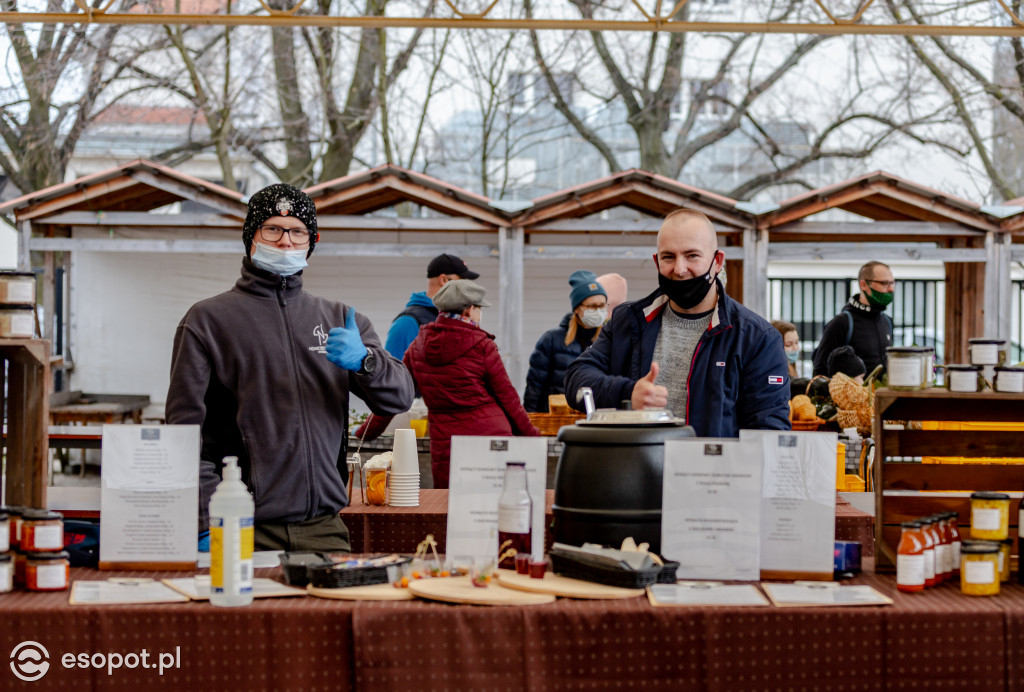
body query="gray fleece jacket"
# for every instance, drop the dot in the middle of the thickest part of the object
(250, 367)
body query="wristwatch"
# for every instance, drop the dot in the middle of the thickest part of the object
(369, 364)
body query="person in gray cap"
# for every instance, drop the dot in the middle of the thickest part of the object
(456, 367)
(266, 369)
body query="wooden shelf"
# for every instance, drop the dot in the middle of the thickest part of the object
(905, 490)
(25, 376)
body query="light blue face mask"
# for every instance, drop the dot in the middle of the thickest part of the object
(283, 262)
(792, 356)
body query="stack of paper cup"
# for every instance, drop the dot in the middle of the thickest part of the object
(404, 484)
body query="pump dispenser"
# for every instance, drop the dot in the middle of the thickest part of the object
(231, 539)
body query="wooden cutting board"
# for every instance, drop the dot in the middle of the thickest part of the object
(373, 592)
(564, 586)
(460, 590)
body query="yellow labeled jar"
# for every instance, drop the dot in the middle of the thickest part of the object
(990, 516)
(979, 568)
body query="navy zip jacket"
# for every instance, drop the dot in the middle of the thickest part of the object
(549, 361)
(738, 378)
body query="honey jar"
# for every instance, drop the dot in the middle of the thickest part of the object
(979, 568)
(42, 530)
(6, 572)
(47, 571)
(990, 516)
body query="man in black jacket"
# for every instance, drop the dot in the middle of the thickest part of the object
(862, 323)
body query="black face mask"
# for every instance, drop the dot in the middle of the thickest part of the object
(687, 293)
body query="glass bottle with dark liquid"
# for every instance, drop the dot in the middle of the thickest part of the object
(515, 513)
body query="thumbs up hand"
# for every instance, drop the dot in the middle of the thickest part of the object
(344, 345)
(646, 394)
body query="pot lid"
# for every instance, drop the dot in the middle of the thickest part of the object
(651, 416)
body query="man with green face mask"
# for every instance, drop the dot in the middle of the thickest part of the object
(862, 323)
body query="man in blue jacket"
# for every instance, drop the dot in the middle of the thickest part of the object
(687, 346)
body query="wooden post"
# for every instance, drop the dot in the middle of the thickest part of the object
(510, 301)
(965, 293)
(27, 412)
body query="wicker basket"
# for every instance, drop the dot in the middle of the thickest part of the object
(550, 423)
(807, 424)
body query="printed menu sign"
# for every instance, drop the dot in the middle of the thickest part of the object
(149, 497)
(799, 499)
(711, 508)
(476, 476)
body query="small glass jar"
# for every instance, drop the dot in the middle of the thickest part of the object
(979, 568)
(910, 568)
(5, 532)
(952, 518)
(13, 513)
(6, 572)
(928, 537)
(990, 516)
(41, 531)
(987, 351)
(19, 568)
(909, 367)
(964, 378)
(1005, 547)
(1009, 378)
(49, 571)
(942, 551)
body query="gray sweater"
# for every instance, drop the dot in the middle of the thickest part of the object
(249, 366)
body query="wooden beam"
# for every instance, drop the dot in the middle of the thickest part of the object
(175, 187)
(450, 204)
(896, 229)
(638, 224)
(326, 222)
(880, 251)
(75, 197)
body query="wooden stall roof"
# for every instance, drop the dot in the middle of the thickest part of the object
(138, 186)
(646, 192)
(881, 196)
(388, 185)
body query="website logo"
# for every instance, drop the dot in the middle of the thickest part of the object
(30, 661)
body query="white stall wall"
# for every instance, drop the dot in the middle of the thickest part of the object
(126, 306)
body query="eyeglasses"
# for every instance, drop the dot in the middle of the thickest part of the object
(272, 234)
(883, 284)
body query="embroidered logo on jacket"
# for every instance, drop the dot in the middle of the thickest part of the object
(775, 379)
(321, 336)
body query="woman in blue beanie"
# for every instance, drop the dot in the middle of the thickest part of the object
(559, 347)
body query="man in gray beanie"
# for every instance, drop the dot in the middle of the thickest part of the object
(266, 369)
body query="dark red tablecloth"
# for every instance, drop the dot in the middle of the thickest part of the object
(935, 640)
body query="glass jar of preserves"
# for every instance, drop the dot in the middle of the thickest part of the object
(49, 571)
(42, 530)
(929, 551)
(990, 516)
(979, 568)
(964, 378)
(13, 513)
(1005, 548)
(942, 566)
(1009, 378)
(909, 367)
(952, 519)
(987, 351)
(910, 558)
(6, 572)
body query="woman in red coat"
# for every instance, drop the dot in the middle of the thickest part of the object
(459, 373)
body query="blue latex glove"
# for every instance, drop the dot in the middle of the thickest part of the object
(344, 345)
(204, 542)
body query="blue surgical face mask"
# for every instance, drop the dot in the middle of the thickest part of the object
(283, 262)
(792, 356)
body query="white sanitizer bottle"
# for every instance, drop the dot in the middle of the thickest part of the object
(231, 539)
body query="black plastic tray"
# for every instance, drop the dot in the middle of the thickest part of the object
(296, 565)
(569, 566)
(335, 576)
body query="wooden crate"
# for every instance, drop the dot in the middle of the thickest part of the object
(905, 490)
(25, 376)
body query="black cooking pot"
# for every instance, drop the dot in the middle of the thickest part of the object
(608, 481)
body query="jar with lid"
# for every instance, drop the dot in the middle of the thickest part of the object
(5, 532)
(6, 572)
(987, 351)
(13, 513)
(1009, 378)
(1005, 548)
(18, 288)
(952, 518)
(929, 551)
(49, 571)
(17, 321)
(964, 378)
(42, 530)
(909, 368)
(990, 516)
(979, 568)
(910, 558)
(942, 549)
